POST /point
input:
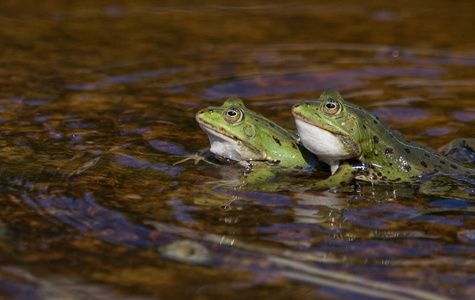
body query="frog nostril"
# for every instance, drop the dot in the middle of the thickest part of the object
(296, 105)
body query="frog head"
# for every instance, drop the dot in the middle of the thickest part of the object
(331, 128)
(240, 134)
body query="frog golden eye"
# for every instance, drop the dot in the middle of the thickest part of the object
(331, 107)
(233, 115)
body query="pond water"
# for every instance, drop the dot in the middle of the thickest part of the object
(97, 105)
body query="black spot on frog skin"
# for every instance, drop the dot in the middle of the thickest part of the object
(423, 163)
(296, 105)
(454, 166)
(389, 150)
(271, 125)
(277, 140)
(436, 170)
(256, 120)
(364, 126)
(379, 174)
(376, 139)
(294, 146)
(375, 122)
(407, 150)
(408, 168)
(442, 162)
(427, 155)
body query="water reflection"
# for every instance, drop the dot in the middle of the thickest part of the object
(85, 215)
(112, 81)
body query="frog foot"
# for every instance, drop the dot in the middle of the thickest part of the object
(460, 150)
(449, 186)
(197, 158)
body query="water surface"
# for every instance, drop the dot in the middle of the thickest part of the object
(97, 106)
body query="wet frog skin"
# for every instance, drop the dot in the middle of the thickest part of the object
(343, 134)
(460, 150)
(243, 135)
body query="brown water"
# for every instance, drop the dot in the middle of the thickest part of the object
(98, 102)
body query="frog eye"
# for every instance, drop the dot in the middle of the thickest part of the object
(233, 115)
(331, 107)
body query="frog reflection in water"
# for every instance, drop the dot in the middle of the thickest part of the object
(344, 136)
(242, 135)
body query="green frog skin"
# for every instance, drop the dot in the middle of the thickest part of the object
(242, 135)
(341, 134)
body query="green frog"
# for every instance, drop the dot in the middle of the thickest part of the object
(357, 145)
(242, 135)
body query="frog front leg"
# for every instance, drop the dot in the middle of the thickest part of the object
(341, 180)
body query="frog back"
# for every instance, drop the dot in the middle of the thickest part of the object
(393, 158)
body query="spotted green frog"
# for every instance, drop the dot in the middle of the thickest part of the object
(358, 145)
(242, 135)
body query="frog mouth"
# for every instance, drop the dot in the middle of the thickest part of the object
(303, 118)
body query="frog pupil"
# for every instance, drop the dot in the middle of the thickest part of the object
(330, 105)
(232, 113)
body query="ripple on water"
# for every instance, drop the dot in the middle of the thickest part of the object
(131, 161)
(438, 131)
(465, 116)
(467, 236)
(111, 81)
(305, 81)
(288, 84)
(168, 147)
(401, 114)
